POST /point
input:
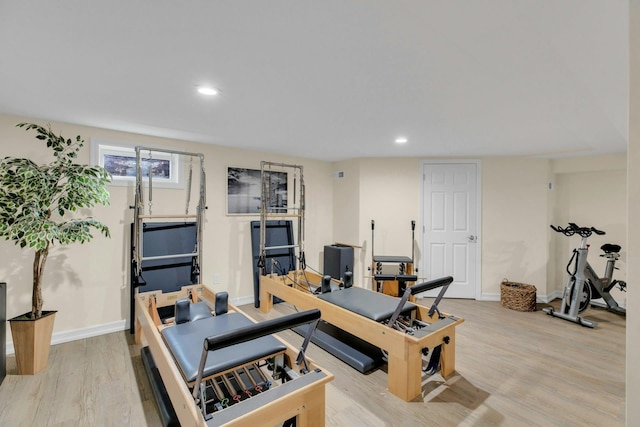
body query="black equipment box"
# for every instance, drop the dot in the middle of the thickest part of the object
(338, 259)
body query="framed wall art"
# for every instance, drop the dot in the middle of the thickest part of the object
(119, 159)
(244, 191)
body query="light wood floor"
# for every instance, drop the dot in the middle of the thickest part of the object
(513, 369)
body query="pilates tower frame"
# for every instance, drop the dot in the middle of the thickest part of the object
(296, 211)
(140, 217)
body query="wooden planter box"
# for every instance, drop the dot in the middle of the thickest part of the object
(32, 341)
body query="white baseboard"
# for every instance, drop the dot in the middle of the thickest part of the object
(106, 328)
(78, 334)
(242, 301)
(553, 295)
(489, 297)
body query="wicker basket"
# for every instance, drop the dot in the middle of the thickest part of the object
(518, 296)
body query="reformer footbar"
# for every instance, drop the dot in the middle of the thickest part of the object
(244, 334)
(444, 282)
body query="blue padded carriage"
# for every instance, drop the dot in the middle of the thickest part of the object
(372, 305)
(185, 341)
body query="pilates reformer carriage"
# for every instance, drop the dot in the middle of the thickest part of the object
(402, 329)
(218, 367)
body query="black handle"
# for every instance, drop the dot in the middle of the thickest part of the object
(574, 228)
(413, 225)
(372, 224)
(431, 284)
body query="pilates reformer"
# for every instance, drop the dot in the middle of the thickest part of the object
(392, 284)
(219, 367)
(404, 330)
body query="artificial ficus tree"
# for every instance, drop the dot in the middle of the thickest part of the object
(39, 202)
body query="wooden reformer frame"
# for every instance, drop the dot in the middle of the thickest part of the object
(306, 403)
(404, 351)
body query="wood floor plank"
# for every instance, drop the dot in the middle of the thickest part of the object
(513, 369)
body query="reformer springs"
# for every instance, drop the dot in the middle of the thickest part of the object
(234, 387)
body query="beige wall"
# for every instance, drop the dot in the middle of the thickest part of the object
(633, 211)
(515, 199)
(88, 284)
(517, 209)
(390, 196)
(346, 205)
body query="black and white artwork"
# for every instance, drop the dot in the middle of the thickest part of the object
(244, 189)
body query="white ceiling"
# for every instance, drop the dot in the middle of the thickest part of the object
(330, 79)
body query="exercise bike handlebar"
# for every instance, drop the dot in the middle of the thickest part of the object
(573, 228)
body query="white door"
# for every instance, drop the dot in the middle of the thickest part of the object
(450, 199)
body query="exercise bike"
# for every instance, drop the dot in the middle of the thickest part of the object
(583, 284)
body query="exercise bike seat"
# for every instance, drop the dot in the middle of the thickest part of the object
(610, 248)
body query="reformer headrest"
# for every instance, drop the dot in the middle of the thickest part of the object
(198, 310)
(186, 311)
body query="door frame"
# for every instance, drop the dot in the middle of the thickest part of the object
(478, 218)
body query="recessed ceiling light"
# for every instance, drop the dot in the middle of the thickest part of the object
(401, 140)
(205, 90)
